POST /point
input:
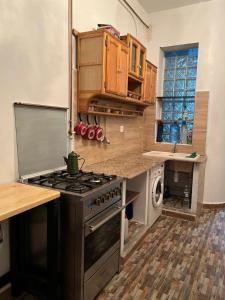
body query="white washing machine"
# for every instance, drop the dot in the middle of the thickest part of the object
(155, 201)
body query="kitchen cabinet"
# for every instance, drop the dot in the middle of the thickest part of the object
(103, 64)
(137, 56)
(116, 66)
(150, 83)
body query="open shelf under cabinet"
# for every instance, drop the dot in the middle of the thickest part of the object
(131, 196)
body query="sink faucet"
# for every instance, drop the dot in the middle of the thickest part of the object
(174, 147)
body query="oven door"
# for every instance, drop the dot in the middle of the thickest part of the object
(102, 239)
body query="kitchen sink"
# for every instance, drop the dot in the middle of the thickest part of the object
(170, 155)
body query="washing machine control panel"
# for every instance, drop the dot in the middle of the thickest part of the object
(157, 170)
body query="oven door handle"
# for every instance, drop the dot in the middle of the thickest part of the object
(95, 225)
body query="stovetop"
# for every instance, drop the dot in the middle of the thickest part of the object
(79, 183)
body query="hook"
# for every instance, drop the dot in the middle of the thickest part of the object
(79, 115)
(96, 120)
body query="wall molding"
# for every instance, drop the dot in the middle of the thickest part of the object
(179, 215)
(4, 280)
(5, 293)
(5, 287)
(214, 205)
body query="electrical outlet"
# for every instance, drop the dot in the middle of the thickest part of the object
(121, 129)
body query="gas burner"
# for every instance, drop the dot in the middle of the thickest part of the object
(78, 183)
(95, 180)
(50, 182)
(78, 188)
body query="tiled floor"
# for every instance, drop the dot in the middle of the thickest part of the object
(176, 204)
(177, 260)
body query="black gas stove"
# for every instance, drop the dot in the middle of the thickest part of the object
(88, 219)
(79, 183)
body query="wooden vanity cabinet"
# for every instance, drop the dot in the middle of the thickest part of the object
(150, 83)
(102, 64)
(137, 56)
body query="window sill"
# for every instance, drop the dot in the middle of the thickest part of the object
(171, 144)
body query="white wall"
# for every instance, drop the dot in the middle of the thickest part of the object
(33, 68)
(34, 62)
(203, 23)
(87, 14)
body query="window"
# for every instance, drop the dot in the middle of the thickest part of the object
(179, 90)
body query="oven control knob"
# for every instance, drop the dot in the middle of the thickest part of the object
(112, 194)
(102, 199)
(97, 201)
(107, 196)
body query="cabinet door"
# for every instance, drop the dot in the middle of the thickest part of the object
(112, 52)
(122, 78)
(141, 66)
(153, 84)
(150, 83)
(147, 90)
(134, 49)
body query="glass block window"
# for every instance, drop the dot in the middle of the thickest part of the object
(179, 89)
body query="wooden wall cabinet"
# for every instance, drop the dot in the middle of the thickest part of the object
(150, 83)
(104, 63)
(137, 56)
(102, 66)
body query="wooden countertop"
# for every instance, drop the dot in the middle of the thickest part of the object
(16, 198)
(126, 166)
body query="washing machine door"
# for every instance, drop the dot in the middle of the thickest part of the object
(157, 192)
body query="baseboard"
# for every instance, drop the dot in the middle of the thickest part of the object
(213, 205)
(179, 215)
(5, 293)
(4, 280)
(5, 287)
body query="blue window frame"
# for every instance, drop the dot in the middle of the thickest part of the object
(179, 89)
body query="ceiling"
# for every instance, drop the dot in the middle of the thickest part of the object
(157, 5)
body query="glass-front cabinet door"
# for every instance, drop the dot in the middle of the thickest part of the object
(137, 57)
(134, 57)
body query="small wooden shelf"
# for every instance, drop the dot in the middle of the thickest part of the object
(133, 78)
(110, 114)
(130, 100)
(106, 106)
(120, 99)
(109, 110)
(116, 108)
(131, 196)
